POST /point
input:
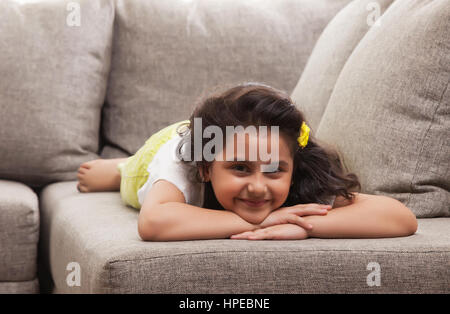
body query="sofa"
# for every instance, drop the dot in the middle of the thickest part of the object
(88, 79)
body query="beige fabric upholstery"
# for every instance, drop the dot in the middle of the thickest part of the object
(53, 86)
(19, 234)
(100, 234)
(167, 54)
(389, 113)
(330, 53)
(22, 287)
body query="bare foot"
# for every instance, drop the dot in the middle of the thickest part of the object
(99, 175)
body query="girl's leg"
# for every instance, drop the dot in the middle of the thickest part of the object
(99, 175)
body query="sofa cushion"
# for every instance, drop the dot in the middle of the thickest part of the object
(56, 74)
(19, 232)
(169, 53)
(389, 113)
(19, 287)
(329, 55)
(99, 233)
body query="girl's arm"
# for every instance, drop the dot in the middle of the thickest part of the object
(165, 216)
(368, 216)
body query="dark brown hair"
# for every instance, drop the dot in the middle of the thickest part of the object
(318, 171)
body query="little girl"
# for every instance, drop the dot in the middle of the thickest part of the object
(184, 196)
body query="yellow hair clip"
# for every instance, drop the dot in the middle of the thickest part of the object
(304, 135)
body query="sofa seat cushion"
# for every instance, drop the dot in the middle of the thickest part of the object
(19, 234)
(99, 233)
(21, 287)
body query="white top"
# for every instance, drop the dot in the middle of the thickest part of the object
(166, 165)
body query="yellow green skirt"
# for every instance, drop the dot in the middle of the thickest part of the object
(134, 172)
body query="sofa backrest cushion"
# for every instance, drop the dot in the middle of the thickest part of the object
(329, 55)
(167, 54)
(54, 62)
(389, 113)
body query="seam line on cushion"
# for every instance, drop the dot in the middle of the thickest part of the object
(313, 251)
(423, 143)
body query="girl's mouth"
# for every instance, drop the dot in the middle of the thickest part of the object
(252, 203)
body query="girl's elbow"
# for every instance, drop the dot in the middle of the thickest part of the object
(407, 220)
(147, 229)
(144, 234)
(412, 225)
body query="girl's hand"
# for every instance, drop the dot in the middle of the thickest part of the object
(291, 215)
(277, 232)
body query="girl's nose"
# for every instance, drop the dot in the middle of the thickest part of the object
(257, 187)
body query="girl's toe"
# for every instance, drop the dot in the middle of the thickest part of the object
(81, 188)
(87, 164)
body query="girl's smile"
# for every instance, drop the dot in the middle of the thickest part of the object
(254, 203)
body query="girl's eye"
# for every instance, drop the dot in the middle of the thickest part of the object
(239, 167)
(243, 168)
(274, 172)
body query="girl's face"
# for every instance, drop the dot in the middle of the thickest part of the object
(244, 187)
